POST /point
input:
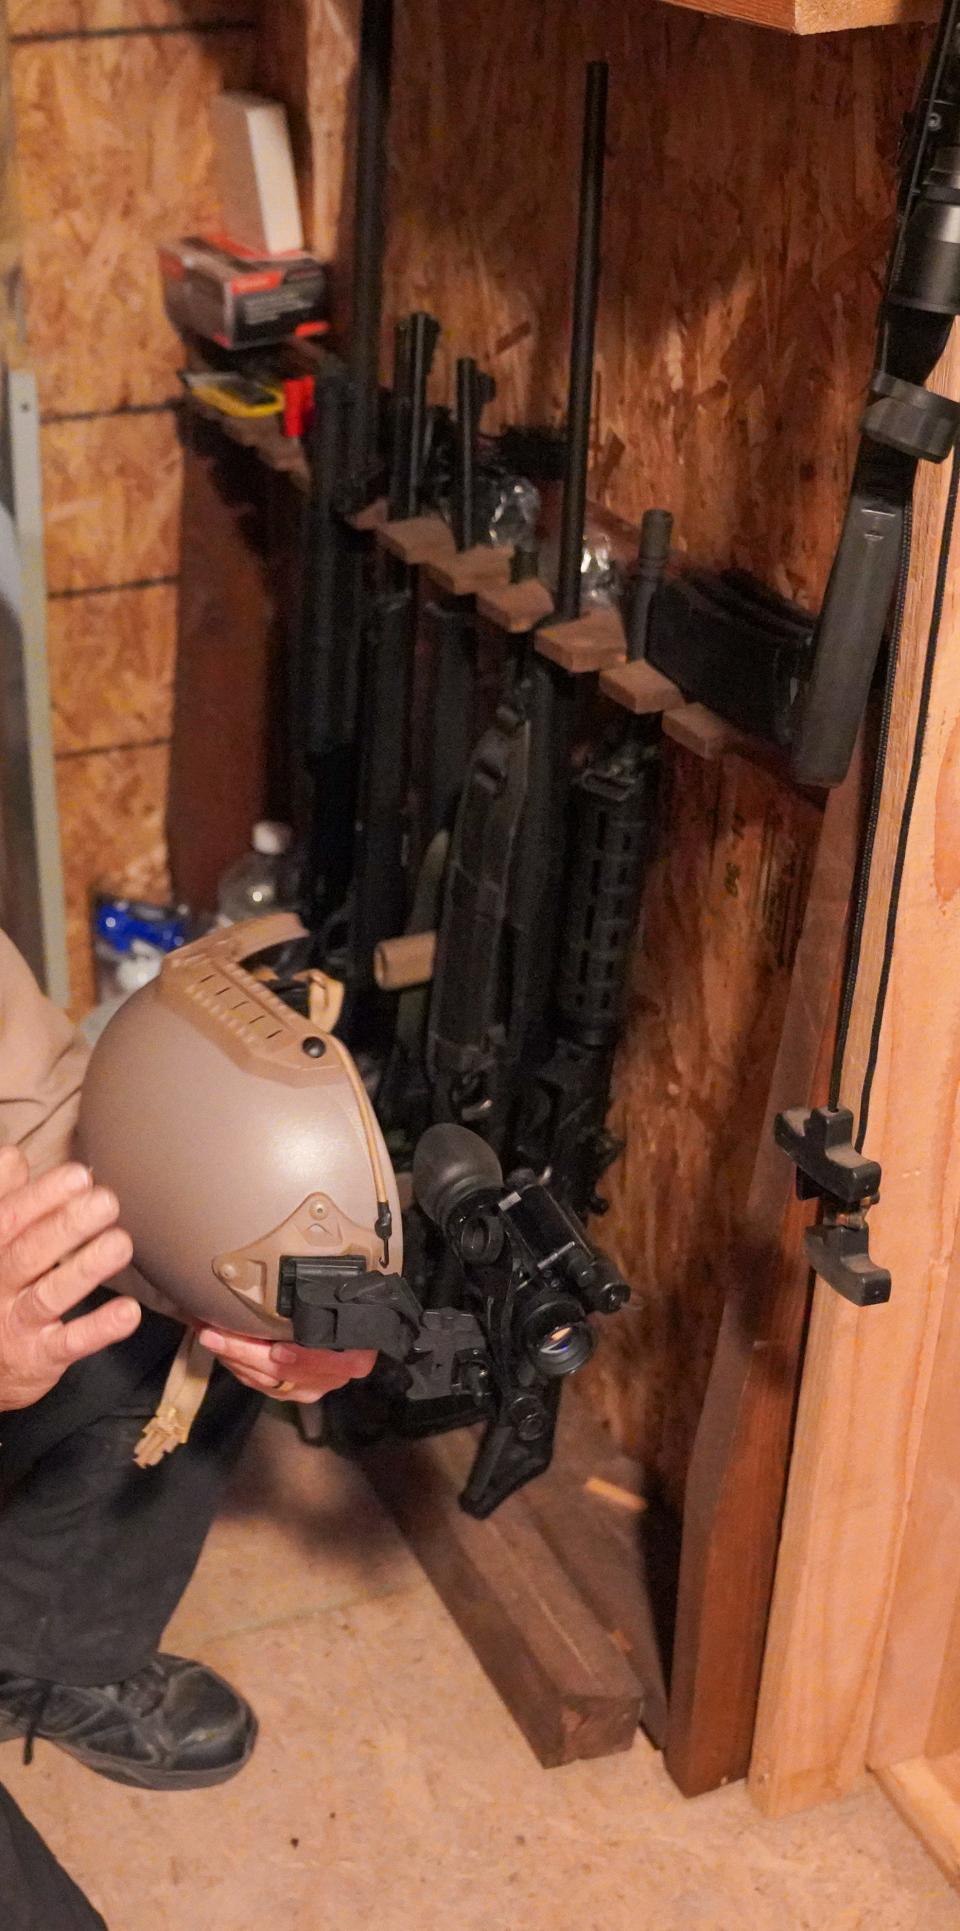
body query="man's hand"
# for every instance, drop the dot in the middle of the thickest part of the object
(286, 1372)
(58, 1241)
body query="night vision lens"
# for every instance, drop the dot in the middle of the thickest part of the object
(563, 1349)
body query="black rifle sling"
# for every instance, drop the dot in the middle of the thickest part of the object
(467, 1028)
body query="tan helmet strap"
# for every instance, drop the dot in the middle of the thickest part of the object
(179, 1405)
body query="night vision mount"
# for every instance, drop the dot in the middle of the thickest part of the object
(529, 1281)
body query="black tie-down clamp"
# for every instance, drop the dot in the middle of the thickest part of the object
(819, 1141)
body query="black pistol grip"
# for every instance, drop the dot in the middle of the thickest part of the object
(848, 639)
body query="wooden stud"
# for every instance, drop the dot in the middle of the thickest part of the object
(868, 1372)
(417, 539)
(592, 642)
(462, 573)
(515, 607)
(641, 689)
(918, 1694)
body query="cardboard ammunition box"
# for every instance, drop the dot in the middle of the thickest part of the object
(220, 291)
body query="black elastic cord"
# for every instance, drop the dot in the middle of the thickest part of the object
(910, 794)
(862, 888)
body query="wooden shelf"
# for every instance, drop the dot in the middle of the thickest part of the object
(592, 642)
(417, 539)
(515, 607)
(818, 16)
(260, 433)
(640, 689)
(464, 572)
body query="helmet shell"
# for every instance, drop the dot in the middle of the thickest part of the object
(210, 1111)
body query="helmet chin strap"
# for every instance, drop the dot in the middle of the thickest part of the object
(180, 1403)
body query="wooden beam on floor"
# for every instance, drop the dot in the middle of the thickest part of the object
(619, 1550)
(550, 1592)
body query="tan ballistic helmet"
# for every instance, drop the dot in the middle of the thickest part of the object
(234, 1132)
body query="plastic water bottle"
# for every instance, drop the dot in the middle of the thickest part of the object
(258, 882)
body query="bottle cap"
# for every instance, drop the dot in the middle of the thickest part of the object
(271, 838)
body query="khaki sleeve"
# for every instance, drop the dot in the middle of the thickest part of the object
(42, 1063)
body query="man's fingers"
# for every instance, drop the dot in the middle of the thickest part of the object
(48, 1299)
(238, 1350)
(28, 1201)
(300, 1364)
(112, 1322)
(42, 1246)
(14, 1171)
(267, 1385)
(284, 1363)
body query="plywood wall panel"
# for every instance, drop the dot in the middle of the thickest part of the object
(115, 155)
(710, 984)
(111, 656)
(111, 813)
(750, 187)
(111, 500)
(750, 193)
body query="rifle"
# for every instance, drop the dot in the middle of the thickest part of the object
(448, 622)
(903, 424)
(515, 1047)
(345, 472)
(376, 903)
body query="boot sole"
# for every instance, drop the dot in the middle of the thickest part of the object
(135, 1776)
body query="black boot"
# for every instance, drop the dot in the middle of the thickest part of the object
(173, 1726)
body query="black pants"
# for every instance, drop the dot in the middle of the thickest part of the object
(35, 1892)
(95, 1553)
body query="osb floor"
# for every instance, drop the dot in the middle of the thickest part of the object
(390, 1790)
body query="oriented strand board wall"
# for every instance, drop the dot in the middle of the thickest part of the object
(113, 151)
(750, 193)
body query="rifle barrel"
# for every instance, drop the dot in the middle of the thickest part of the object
(424, 331)
(373, 113)
(586, 291)
(464, 480)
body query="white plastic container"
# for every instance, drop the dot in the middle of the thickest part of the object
(258, 882)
